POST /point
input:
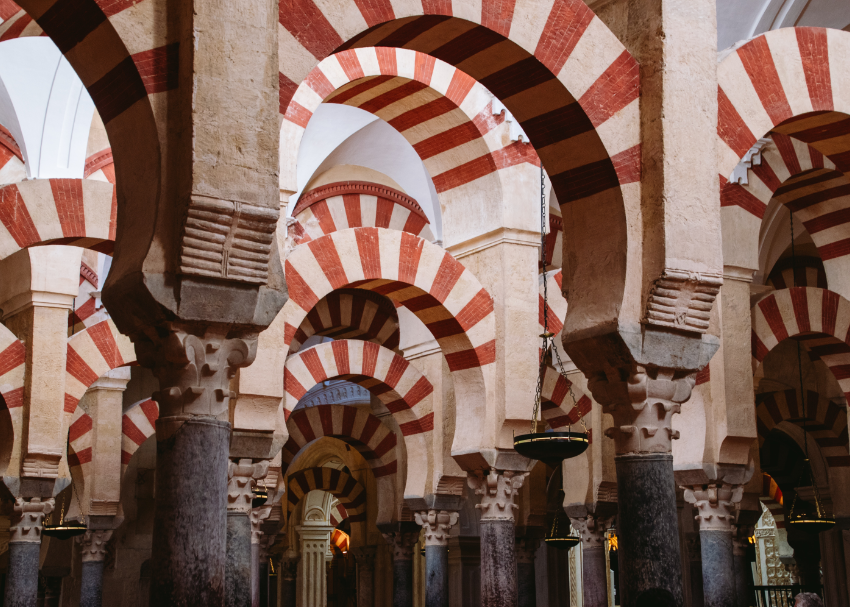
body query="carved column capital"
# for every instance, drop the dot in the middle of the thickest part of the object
(592, 529)
(240, 481)
(28, 519)
(498, 491)
(257, 516)
(401, 543)
(437, 525)
(194, 370)
(715, 504)
(525, 550)
(93, 545)
(642, 402)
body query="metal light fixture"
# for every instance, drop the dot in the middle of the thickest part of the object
(259, 496)
(805, 516)
(549, 447)
(64, 530)
(560, 534)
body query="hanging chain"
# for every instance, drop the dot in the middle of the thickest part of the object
(548, 338)
(799, 353)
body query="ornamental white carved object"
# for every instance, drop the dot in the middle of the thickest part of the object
(240, 481)
(93, 545)
(715, 504)
(682, 300)
(592, 530)
(437, 525)
(498, 491)
(28, 519)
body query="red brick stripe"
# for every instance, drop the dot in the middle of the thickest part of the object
(7, 9)
(773, 317)
(151, 411)
(759, 65)
(565, 26)
(627, 165)
(314, 365)
(616, 88)
(307, 24)
(16, 217)
(79, 369)
(375, 11)
(788, 153)
(158, 68)
(287, 91)
(497, 15)
(131, 431)
(299, 291)
(292, 385)
(103, 338)
(732, 194)
(350, 63)
(437, 7)
(68, 200)
(12, 357)
(731, 127)
(814, 51)
(79, 428)
(16, 28)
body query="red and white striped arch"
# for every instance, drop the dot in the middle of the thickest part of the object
(91, 353)
(12, 369)
(821, 314)
(356, 204)
(12, 167)
(557, 52)
(337, 515)
(16, 23)
(792, 77)
(558, 407)
(419, 275)
(771, 497)
(351, 314)
(557, 311)
(801, 272)
(350, 493)
(79, 212)
(366, 433)
(824, 420)
(137, 425)
(441, 111)
(100, 166)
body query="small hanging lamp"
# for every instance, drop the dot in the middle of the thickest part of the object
(259, 496)
(64, 530)
(560, 534)
(804, 515)
(550, 448)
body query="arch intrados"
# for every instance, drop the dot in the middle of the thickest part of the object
(348, 490)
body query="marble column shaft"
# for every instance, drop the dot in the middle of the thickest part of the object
(240, 562)
(498, 491)
(437, 525)
(744, 590)
(365, 559)
(93, 552)
(594, 571)
(401, 544)
(24, 548)
(526, 582)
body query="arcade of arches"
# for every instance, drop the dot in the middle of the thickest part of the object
(273, 284)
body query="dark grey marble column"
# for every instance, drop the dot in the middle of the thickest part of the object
(436, 524)
(744, 590)
(93, 546)
(288, 576)
(594, 571)
(189, 536)
(526, 582)
(401, 542)
(364, 556)
(647, 527)
(498, 491)
(259, 556)
(238, 564)
(24, 548)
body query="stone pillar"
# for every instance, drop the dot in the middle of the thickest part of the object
(287, 576)
(193, 442)
(93, 551)
(239, 568)
(258, 515)
(525, 550)
(24, 548)
(437, 525)
(365, 559)
(315, 543)
(715, 505)
(401, 542)
(498, 491)
(594, 570)
(744, 591)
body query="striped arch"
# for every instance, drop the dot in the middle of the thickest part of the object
(356, 204)
(825, 421)
(337, 515)
(91, 353)
(16, 23)
(429, 282)
(365, 432)
(557, 304)
(80, 212)
(805, 272)
(100, 166)
(137, 425)
(350, 493)
(12, 167)
(12, 368)
(450, 119)
(771, 497)
(558, 408)
(351, 314)
(791, 81)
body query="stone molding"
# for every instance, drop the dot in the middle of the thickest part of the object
(498, 491)
(93, 545)
(592, 529)
(682, 300)
(365, 557)
(715, 503)
(525, 550)
(227, 239)
(257, 516)
(401, 543)
(643, 405)
(41, 465)
(194, 371)
(28, 519)
(437, 525)
(240, 482)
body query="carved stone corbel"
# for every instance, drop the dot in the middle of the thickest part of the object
(682, 300)
(498, 491)
(437, 525)
(28, 519)
(240, 482)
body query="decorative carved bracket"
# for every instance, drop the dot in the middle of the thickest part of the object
(240, 481)
(257, 516)
(93, 545)
(437, 525)
(682, 300)
(28, 519)
(716, 504)
(498, 491)
(592, 529)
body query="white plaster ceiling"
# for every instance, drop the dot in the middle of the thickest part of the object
(45, 107)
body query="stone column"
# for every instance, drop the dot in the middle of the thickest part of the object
(594, 571)
(315, 543)
(93, 551)
(744, 590)
(258, 515)
(715, 505)
(401, 542)
(238, 569)
(24, 548)
(525, 550)
(437, 525)
(498, 491)
(287, 576)
(365, 559)
(193, 441)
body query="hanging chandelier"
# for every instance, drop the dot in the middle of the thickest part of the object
(259, 496)
(549, 447)
(66, 530)
(810, 517)
(560, 534)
